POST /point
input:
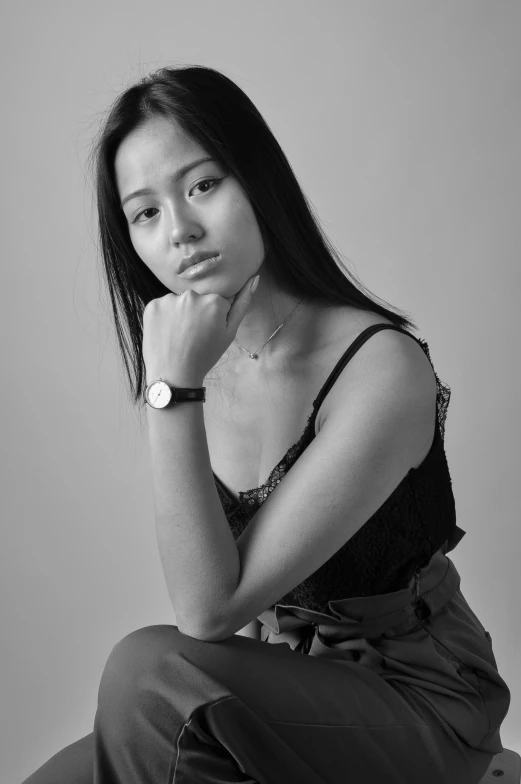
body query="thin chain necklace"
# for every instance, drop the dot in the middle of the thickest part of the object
(256, 353)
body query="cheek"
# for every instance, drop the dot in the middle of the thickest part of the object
(151, 258)
(145, 249)
(243, 224)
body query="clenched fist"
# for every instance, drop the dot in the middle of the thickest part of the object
(184, 335)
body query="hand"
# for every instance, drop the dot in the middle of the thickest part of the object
(184, 335)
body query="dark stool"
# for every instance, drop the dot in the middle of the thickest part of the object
(505, 768)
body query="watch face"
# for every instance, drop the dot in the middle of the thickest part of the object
(159, 394)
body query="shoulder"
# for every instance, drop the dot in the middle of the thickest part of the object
(390, 376)
(394, 355)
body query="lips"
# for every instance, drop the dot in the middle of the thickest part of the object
(195, 258)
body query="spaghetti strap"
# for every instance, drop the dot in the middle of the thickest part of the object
(344, 359)
(254, 494)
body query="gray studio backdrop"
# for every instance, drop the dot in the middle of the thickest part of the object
(401, 119)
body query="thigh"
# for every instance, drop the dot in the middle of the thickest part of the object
(284, 715)
(72, 765)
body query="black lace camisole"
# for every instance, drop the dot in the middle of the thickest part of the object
(399, 538)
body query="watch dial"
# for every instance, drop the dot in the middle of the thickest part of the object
(159, 394)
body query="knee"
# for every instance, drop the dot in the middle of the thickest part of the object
(132, 668)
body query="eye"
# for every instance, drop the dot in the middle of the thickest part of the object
(143, 212)
(211, 182)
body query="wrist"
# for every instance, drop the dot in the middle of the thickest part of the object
(161, 394)
(183, 379)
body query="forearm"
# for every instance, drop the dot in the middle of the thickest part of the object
(200, 559)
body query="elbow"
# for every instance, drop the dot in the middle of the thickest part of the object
(206, 633)
(208, 627)
(208, 630)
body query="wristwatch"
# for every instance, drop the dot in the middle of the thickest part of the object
(159, 394)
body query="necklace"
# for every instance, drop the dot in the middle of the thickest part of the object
(256, 353)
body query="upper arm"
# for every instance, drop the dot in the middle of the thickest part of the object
(379, 423)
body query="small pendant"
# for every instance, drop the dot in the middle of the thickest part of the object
(253, 356)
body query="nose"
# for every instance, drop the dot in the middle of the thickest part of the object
(183, 227)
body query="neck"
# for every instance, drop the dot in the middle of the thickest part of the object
(269, 308)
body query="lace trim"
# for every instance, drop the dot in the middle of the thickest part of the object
(443, 392)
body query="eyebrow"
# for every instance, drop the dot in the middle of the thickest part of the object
(180, 173)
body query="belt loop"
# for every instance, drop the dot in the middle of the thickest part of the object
(421, 608)
(416, 584)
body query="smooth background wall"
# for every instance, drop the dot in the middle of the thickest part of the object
(401, 119)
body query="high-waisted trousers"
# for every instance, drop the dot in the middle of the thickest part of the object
(396, 688)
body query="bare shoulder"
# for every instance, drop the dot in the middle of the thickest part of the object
(392, 367)
(392, 352)
(386, 352)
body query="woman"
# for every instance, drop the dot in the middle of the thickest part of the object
(382, 672)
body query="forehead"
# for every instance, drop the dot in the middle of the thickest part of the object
(155, 150)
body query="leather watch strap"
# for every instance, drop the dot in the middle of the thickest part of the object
(180, 394)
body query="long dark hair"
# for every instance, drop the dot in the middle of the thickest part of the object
(219, 116)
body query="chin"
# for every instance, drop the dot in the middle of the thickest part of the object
(205, 287)
(225, 289)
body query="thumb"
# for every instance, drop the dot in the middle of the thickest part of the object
(240, 305)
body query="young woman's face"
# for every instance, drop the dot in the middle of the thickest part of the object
(185, 210)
